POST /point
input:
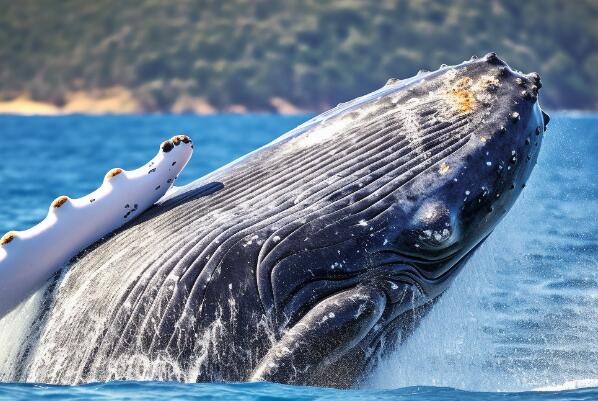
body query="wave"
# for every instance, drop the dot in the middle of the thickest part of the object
(149, 391)
(571, 385)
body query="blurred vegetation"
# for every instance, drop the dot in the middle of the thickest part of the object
(313, 53)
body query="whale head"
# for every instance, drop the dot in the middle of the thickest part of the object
(446, 211)
(411, 179)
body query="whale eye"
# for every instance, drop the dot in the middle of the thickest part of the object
(432, 226)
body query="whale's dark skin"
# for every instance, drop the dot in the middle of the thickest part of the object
(306, 260)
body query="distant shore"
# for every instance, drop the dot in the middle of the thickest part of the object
(119, 100)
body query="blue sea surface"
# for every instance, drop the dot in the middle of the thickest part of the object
(266, 392)
(45, 157)
(523, 315)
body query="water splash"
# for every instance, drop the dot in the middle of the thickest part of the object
(15, 332)
(523, 314)
(450, 348)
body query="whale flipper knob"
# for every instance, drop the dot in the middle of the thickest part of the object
(113, 173)
(167, 146)
(176, 140)
(61, 200)
(8, 237)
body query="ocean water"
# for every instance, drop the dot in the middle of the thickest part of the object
(520, 322)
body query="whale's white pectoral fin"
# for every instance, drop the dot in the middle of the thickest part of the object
(29, 258)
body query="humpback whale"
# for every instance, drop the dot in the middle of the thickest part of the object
(308, 259)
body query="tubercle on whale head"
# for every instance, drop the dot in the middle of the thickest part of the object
(492, 58)
(454, 130)
(462, 198)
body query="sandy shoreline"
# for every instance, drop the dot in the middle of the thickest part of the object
(120, 100)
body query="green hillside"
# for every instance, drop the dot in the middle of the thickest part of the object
(312, 53)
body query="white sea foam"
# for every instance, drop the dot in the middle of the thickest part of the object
(14, 330)
(570, 385)
(449, 349)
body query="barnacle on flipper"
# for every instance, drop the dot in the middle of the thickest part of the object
(8, 237)
(167, 146)
(61, 200)
(113, 173)
(176, 140)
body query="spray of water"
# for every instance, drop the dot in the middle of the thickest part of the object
(15, 331)
(523, 314)
(451, 348)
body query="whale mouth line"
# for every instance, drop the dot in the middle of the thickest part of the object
(419, 263)
(416, 263)
(401, 270)
(409, 258)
